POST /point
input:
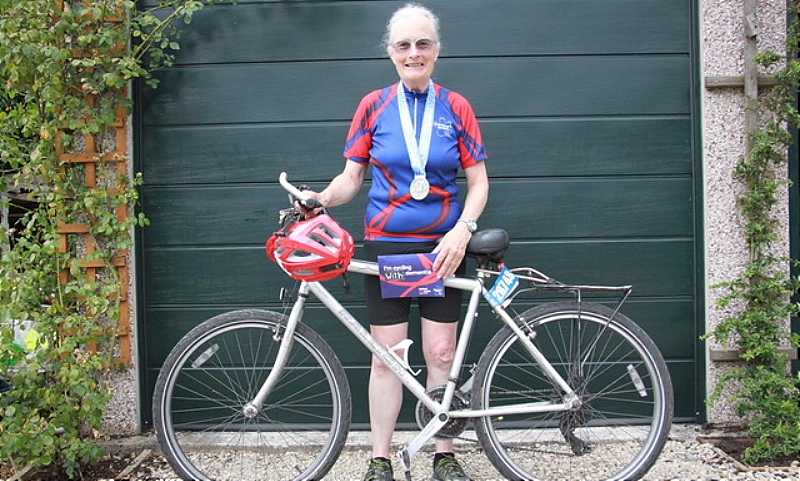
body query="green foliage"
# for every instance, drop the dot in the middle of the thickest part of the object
(64, 68)
(768, 393)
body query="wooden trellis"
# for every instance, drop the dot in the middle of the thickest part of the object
(89, 159)
(109, 150)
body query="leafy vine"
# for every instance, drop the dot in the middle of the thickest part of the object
(65, 67)
(768, 393)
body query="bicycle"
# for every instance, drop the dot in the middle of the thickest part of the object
(564, 390)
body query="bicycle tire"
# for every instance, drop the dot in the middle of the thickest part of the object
(217, 368)
(626, 395)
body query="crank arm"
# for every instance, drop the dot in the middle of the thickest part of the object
(433, 427)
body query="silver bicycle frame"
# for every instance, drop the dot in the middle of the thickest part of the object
(440, 409)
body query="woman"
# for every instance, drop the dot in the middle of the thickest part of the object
(415, 135)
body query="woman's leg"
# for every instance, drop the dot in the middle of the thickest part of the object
(438, 347)
(385, 391)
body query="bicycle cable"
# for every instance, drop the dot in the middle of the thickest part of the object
(287, 302)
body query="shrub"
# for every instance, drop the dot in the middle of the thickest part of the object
(64, 68)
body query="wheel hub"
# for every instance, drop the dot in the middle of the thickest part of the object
(250, 411)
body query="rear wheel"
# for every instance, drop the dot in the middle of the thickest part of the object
(622, 423)
(216, 370)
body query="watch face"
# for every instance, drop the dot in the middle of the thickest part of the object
(471, 225)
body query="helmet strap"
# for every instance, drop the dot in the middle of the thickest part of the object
(346, 283)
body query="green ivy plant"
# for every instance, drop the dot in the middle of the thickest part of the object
(64, 70)
(768, 394)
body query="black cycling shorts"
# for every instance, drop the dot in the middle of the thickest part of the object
(384, 312)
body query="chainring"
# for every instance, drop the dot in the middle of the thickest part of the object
(455, 426)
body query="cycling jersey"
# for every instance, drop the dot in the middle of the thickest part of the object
(376, 137)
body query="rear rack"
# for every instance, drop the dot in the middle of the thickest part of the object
(537, 281)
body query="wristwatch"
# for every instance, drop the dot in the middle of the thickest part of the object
(471, 224)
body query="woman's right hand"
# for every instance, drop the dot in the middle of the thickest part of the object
(309, 212)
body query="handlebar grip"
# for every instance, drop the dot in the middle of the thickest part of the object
(306, 201)
(310, 203)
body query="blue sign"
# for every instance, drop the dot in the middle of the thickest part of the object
(409, 275)
(503, 287)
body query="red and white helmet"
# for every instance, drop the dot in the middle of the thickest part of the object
(316, 249)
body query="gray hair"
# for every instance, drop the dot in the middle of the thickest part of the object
(411, 10)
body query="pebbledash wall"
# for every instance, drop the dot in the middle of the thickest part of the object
(722, 54)
(722, 36)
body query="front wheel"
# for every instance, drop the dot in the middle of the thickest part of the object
(213, 373)
(625, 412)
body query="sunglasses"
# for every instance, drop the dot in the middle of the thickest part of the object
(421, 44)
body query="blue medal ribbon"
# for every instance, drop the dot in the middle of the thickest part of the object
(417, 152)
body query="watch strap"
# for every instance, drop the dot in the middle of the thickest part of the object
(472, 225)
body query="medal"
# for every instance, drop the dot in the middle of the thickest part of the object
(420, 187)
(417, 152)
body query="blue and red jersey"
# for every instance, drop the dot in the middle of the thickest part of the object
(376, 136)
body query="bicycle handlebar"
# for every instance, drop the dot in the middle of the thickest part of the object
(304, 200)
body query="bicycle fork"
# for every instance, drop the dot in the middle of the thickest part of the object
(251, 409)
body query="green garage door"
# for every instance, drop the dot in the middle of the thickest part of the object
(587, 110)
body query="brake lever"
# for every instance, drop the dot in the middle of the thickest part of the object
(285, 214)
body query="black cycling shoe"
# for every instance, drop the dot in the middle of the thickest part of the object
(446, 468)
(380, 469)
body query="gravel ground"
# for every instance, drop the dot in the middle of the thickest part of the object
(684, 458)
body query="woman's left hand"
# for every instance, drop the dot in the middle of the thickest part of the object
(451, 250)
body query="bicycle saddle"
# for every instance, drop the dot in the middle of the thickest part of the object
(490, 243)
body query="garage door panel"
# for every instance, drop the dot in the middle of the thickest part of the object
(592, 207)
(572, 27)
(166, 325)
(209, 215)
(667, 322)
(242, 153)
(551, 86)
(313, 30)
(203, 95)
(558, 86)
(601, 146)
(258, 153)
(684, 386)
(232, 214)
(661, 268)
(238, 276)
